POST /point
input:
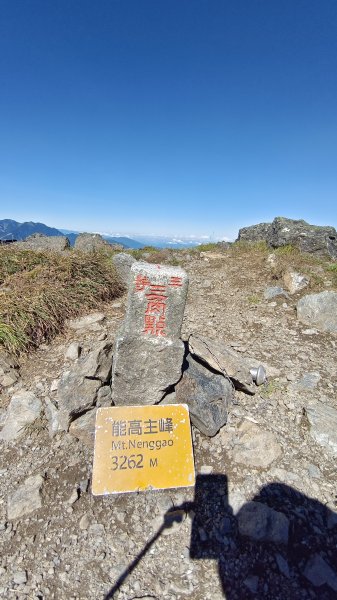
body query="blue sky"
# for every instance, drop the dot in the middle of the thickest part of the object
(168, 116)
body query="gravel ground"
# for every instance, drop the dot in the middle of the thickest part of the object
(76, 546)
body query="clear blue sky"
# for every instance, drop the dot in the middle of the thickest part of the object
(168, 116)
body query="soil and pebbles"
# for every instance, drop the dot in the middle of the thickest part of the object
(261, 521)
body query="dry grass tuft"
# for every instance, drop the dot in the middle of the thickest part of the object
(41, 290)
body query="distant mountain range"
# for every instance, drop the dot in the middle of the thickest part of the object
(12, 230)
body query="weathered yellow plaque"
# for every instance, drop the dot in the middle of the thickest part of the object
(142, 447)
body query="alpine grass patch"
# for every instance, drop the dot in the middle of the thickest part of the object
(40, 291)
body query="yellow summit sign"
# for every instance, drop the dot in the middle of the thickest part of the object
(142, 447)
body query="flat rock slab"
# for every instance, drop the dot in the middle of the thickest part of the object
(24, 409)
(255, 447)
(26, 498)
(91, 322)
(319, 310)
(273, 292)
(223, 359)
(208, 396)
(145, 368)
(323, 425)
(263, 524)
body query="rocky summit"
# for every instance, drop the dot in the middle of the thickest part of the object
(253, 355)
(315, 239)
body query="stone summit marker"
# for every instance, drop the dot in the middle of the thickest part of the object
(139, 446)
(148, 352)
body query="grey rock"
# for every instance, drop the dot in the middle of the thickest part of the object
(40, 242)
(294, 282)
(54, 385)
(9, 373)
(255, 447)
(92, 242)
(208, 396)
(9, 379)
(98, 363)
(104, 396)
(223, 359)
(20, 577)
(263, 524)
(2, 417)
(319, 311)
(52, 415)
(83, 428)
(273, 292)
(73, 351)
(282, 565)
(314, 472)
(91, 322)
(84, 522)
(75, 395)
(24, 408)
(282, 232)
(145, 368)
(252, 583)
(26, 498)
(123, 263)
(309, 381)
(319, 572)
(323, 425)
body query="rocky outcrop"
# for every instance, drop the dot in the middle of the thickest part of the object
(40, 243)
(93, 242)
(314, 239)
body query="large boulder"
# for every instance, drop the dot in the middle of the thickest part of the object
(93, 242)
(40, 243)
(208, 396)
(316, 239)
(319, 310)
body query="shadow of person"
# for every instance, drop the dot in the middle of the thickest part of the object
(282, 545)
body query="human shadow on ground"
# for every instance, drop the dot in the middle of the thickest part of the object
(282, 545)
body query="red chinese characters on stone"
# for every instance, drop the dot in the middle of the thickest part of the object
(176, 282)
(155, 312)
(154, 321)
